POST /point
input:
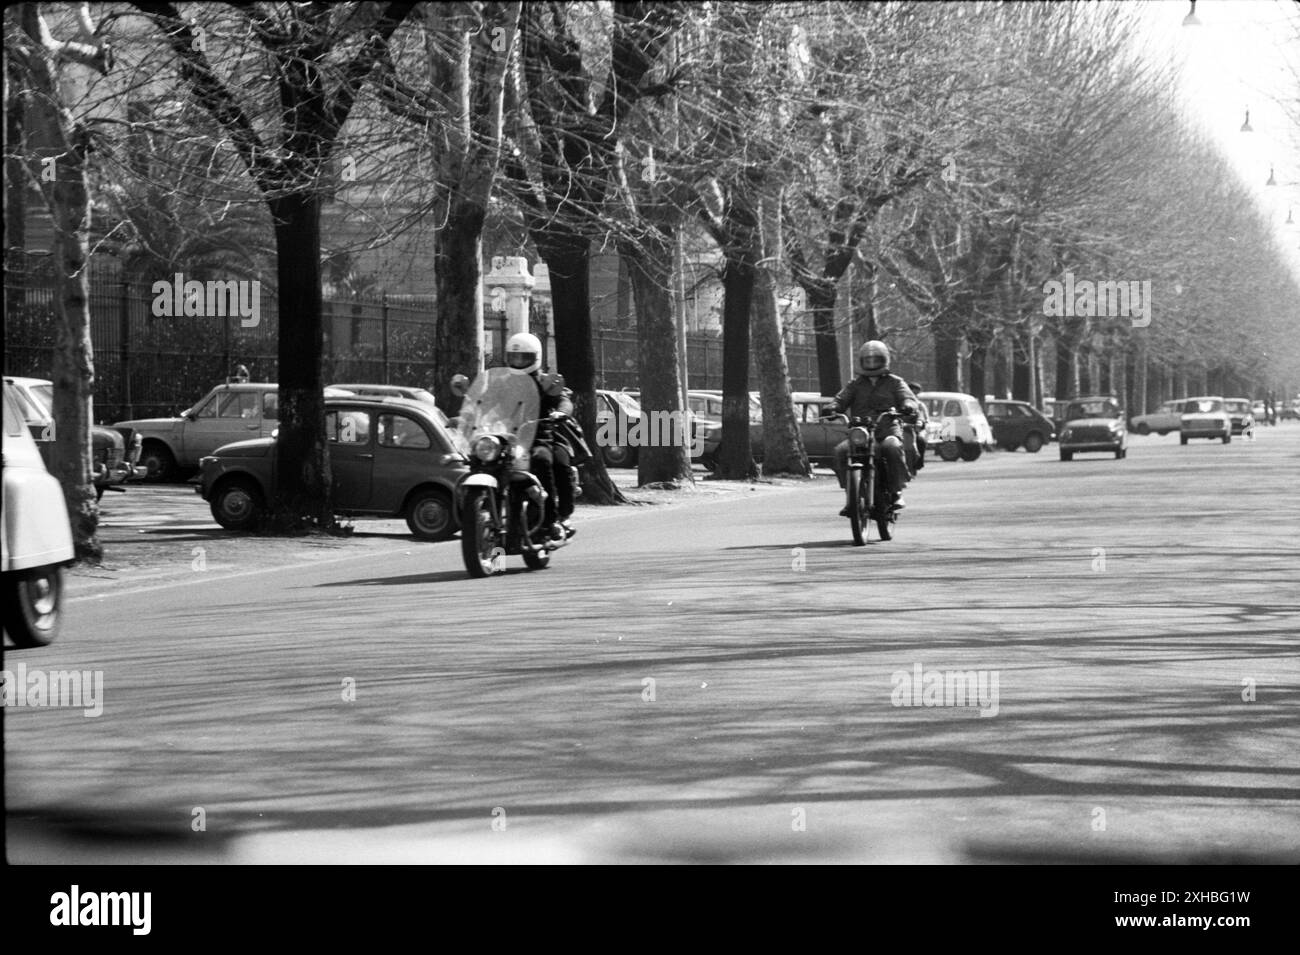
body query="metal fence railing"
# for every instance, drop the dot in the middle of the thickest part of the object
(149, 366)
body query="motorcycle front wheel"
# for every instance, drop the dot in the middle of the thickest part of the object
(478, 545)
(535, 559)
(885, 512)
(857, 514)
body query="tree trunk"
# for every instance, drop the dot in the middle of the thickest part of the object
(1022, 380)
(458, 270)
(302, 476)
(665, 456)
(783, 450)
(15, 195)
(567, 258)
(73, 369)
(55, 133)
(821, 303)
(735, 458)
(946, 330)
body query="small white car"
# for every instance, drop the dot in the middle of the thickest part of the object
(36, 537)
(1206, 417)
(957, 428)
(1168, 418)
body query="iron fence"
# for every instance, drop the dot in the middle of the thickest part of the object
(150, 366)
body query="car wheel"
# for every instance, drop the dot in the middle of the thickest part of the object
(159, 461)
(619, 456)
(1182, 439)
(237, 504)
(1067, 455)
(970, 451)
(429, 515)
(33, 601)
(1161, 433)
(950, 450)
(1144, 428)
(1033, 442)
(1119, 454)
(1008, 446)
(1227, 438)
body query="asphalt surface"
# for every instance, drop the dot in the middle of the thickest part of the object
(720, 678)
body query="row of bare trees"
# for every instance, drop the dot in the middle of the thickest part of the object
(948, 159)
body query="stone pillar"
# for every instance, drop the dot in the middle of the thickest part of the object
(508, 287)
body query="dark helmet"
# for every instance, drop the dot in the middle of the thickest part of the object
(873, 358)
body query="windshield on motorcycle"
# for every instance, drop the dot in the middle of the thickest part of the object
(499, 403)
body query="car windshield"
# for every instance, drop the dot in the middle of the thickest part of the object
(629, 404)
(1101, 408)
(1238, 406)
(973, 407)
(1203, 406)
(43, 396)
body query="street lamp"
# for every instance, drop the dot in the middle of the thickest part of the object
(1272, 180)
(1246, 127)
(1190, 20)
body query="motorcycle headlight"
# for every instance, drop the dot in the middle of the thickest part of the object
(487, 448)
(859, 438)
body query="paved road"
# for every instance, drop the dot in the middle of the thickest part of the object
(1124, 609)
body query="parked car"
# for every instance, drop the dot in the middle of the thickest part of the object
(617, 405)
(1094, 423)
(1168, 418)
(1239, 411)
(1206, 417)
(1288, 410)
(231, 412)
(1258, 411)
(394, 391)
(35, 536)
(389, 457)
(1018, 424)
(957, 428)
(116, 451)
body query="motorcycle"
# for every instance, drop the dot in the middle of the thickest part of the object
(500, 502)
(868, 488)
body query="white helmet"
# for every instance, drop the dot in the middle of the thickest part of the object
(523, 353)
(873, 358)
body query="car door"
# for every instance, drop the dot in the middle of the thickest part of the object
(1002, 422)
(1019, 422)
(227, 416)
(352, 455)
(405, 455)
(819, 437)
(270, 412)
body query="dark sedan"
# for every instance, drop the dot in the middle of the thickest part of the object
(389, 457)
(1018, 424)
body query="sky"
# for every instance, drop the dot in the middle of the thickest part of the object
(1245, 55)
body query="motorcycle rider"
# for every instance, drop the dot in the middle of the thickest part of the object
(549, 458)
(873, 391)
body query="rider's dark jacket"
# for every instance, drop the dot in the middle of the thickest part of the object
(863, 397)
(565, 433)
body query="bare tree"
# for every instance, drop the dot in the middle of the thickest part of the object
(60, 137)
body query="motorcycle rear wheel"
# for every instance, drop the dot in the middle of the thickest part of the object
(478, 546)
